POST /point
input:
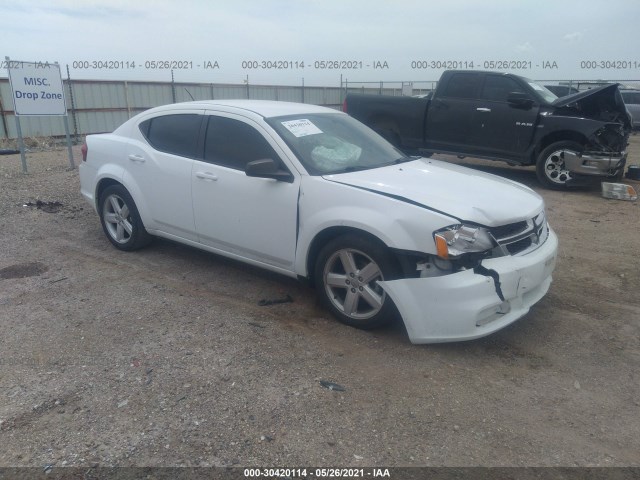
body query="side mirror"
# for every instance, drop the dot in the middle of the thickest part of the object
(267, 168)
(519, 100)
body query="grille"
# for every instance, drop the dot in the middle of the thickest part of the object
(521, 237)
(519, 246)
(510, 230)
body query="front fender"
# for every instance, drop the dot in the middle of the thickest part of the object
(399, 225)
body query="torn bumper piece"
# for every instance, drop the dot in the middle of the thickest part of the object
(465, 305)
(593, 163)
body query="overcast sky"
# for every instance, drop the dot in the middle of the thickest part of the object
(390, 35)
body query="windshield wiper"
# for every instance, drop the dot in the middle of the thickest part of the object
(357, 168)
(404, 160)
(352, 168)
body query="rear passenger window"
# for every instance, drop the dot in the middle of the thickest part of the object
(233, 144)
(498, 88)
(177, 134)
(462, 85)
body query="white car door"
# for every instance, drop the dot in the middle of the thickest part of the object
(161, 171)
(249, 217)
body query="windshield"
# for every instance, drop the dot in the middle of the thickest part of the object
(544, 92)
(330, 143)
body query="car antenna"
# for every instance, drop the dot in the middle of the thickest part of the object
(193, 99)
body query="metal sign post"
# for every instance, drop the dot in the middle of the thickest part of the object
(66, 132)
(23, 157)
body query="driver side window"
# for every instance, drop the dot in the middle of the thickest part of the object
(498, 88)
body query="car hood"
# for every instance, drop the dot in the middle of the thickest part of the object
(463, 193)
(594, 92)
(602, 103)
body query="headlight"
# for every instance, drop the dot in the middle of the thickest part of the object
(458, 240)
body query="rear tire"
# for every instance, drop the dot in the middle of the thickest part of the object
(120, 219)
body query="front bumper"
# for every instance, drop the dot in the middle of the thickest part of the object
(465, 305)
(593, 163)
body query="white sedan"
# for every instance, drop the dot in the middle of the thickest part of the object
(311, 193)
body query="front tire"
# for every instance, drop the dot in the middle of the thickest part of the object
(346, 275)
(550, 166)
(120, 219)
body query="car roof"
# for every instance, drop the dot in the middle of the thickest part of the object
(264, 108)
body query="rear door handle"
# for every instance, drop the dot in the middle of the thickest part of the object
(136, 158)
(483, 109)
(207, 176)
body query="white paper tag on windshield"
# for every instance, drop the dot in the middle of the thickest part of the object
(302, 127)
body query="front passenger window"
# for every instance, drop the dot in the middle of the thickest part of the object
(232, 143)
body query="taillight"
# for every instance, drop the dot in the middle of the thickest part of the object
(344, 105)
(84, 149)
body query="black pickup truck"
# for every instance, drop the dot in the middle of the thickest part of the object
(506, 117)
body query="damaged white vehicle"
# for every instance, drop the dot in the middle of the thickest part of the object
(310, 192)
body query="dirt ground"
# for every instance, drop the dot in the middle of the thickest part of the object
(163, 357)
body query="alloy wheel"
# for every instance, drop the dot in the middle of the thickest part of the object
(350, 280)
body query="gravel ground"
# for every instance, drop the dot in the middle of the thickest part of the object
(163, 357)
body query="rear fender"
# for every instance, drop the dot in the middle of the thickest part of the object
(135, 191)
(106, 173)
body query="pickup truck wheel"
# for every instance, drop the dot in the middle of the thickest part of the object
(550, 166)
(120, 219)
(346, 274)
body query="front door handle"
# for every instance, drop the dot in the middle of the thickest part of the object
(136, 158)
(207, 176)
(483, 109)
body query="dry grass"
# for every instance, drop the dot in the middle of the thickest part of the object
(35, 144)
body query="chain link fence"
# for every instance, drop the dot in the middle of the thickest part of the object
(97, 106)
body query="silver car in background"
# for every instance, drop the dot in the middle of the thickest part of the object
(631, 99)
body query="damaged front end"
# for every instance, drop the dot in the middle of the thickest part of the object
(604, 155)
(607, 127)
(480, 280)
